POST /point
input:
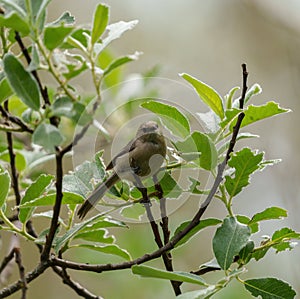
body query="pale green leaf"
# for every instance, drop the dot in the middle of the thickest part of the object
(199, 143)
(208, 95)
(268, 214)
(34, 191)
(115, 31)
(100, 22)
(47, 136)
(5, 185)
(171, 116)
(99, 235)
(55, 35)
(147, 271)
(200, 294)
(107, 249)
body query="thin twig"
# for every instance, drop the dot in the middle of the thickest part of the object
(15, 120)
(12, 157)
(56, 209)
(21, 271)
(80, 290)
(6, 260)
(31, 231)
(30, 276)
(76, 140)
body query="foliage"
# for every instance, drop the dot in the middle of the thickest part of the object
(67, 51)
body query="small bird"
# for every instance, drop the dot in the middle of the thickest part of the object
(142, 157)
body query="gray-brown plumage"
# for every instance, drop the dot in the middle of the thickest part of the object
(140, 158)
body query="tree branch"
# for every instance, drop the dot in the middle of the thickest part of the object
(80, 290)
(21, 271)
(5, 292)
(15, 120)
(12, 158)
(56, 209)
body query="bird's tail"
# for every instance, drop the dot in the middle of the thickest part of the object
(96, 195)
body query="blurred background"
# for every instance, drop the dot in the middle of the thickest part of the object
(209, 40)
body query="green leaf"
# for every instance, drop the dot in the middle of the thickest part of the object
(15, 22)
(98, 235)
(201, 294)
(5, 90)
(283, 239)
(5, 185)
(75, 66)
(16, 6)
(100, 22)
(133, 212)
(34, 191)
(199, 143)
(208, 95)
(173, 119)
(87, 224)
(35, 60)
(22, 82)
(230, 116)
(194, 186)
(49, 200)
(147, 271)
(228, 241)
(103, 222)
(65, 18)
(63, 106)
(245, 162)
(256, 113)
(246, 253)
(255, 89)
(107, 249)
(49, 215)
(268, 214)
(115, 31)
(119, 62)
(47, 136)
(79, 181)
(260, 253)
(229, 97)
(203, 224)
(269, 288)
(20, 160)
(54, 36)
(246, 220)
(168, 184)
(210, 121)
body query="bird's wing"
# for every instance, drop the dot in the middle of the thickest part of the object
(126, 149)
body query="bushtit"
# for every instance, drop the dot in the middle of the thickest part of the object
(140, 158)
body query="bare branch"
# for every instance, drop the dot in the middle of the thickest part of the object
(28, 277)
(80, 290)
(21, 271)
(12, 158)
(56, 209)
(15, 120)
